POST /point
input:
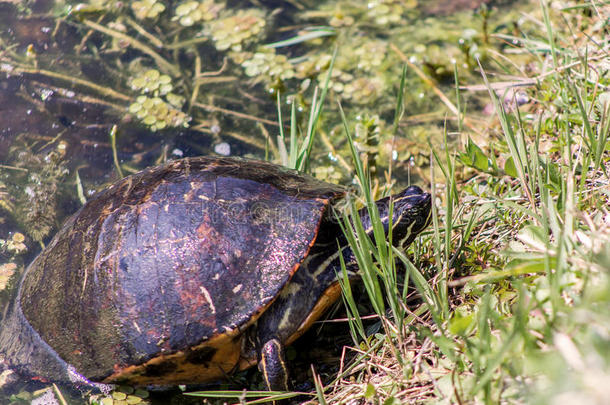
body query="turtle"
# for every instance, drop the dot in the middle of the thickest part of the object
(187, 272)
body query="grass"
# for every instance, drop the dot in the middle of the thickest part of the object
(505, 298)
(296, 154)
(517, 309)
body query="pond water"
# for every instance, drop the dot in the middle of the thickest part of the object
(92, 91)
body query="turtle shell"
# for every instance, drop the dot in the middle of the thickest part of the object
(156, 277)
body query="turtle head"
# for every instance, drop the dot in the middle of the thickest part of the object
(410, 215)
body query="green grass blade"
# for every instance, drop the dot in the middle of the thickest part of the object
(310, 33)
(281, 140)
(400, 108)
(302, 160)
(355, 321)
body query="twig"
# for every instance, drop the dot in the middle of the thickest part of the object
(161, 62)
(71, 79)
(21, 169)
(195, 92)
(215, 72)
(153, 40)
(78, 97)
(268, 140)
(332, 150)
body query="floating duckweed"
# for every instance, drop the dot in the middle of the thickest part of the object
(232, 32)
(367, 133)
(123, 395)
(6, 272)
(141, 393)
(313, 66)
(153, 82)
(192, 12)
(269, 65)
(239, 57)
(96, 6)
(338, 79)
(119, 396)
(127, 389)
(327, 173)
(154, 111)
(438, 62)
(185, 13)
(175, 100)
(157, 114)
(132, 399)
(364, 90)
(5, 202)
(371, 55)
(340, 19)
(385, 12)
(346, 77)
(147, 9)
(15, 245)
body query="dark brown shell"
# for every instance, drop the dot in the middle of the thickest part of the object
(171, 257)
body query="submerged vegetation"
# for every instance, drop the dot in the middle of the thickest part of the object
(506, 116)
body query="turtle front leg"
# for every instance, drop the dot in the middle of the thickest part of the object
(273, 365)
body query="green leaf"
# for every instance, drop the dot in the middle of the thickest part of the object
(509, 167)
(445, 345)
(478, 158)
(461, 325)
(370, 391)
(517, 267)
(391, 401)
(535, 237)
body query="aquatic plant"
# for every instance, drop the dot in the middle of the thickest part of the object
(192, 12)
(370, 55)
(384, 12)
(341, 19)
(158, 114)
(327, 173)
(122, 395)
(364, 90)
(143, 9)
(6, 269)
(157, 107)
(5, 199)
(269, 66)
(314, 65)
(151, 81)
(233, 31)
(35, 191)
